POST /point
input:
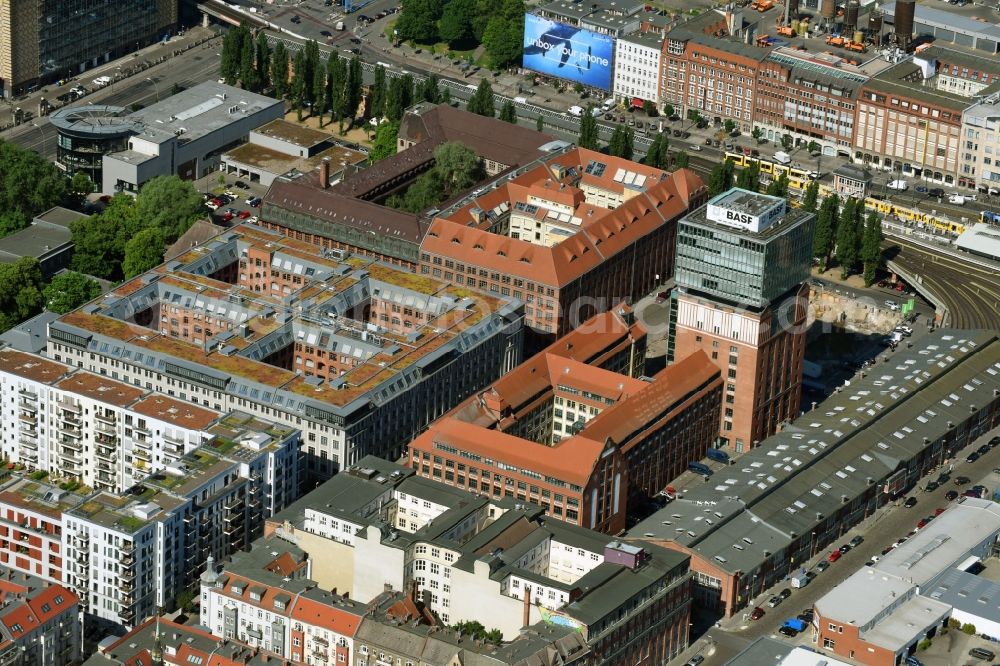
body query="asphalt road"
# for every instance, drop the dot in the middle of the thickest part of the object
(187, 69)
(890, 523)
(970, 292)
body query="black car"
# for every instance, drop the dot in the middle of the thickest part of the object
(973, 457)
(935, 192)
(788, 631)
(932, 486)
(708, 142)
(910, 502)
(993, 442)
(810, 575)
(845, 548)
(677, 133)
(856, 541)
(984, 449)
(326, 33)
(822, 566)
(785, 593)
(943, 478)
(886, 550)
(296, 19)
(951, 495)
(962, 480)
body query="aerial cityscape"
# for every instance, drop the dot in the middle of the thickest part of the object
(499, 332)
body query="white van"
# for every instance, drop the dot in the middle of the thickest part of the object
(898, 185)
(782, 157)
(575, 111)
(102, 80)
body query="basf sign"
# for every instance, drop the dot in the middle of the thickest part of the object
(567, 52)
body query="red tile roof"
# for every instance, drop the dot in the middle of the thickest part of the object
(310, 611)
(32, 614)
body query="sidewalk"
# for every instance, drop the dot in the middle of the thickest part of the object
(118, 70)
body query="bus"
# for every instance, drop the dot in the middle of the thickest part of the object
(989, 217)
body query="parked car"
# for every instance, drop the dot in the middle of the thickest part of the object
(972, 457)
(824, 565)
(774, 601)
(833, 556)
(212, 205)
(938, 511)
(951, 495)
(662, 296)
(994, 441)
(935, 192)
(785, 593)
(910, 502)
(786, 630)
(243, 186)
(932, 486)
(886, 550)
(757, 613)
(962, 480)
(983, 450)
(695, 660)
(243, 214)
(923, 523)
(856, 541)
(227, 216)
(845, 548)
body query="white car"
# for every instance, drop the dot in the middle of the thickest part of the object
(695, 147)
(575, 111)
(211, 205)
(898, 185)
(957, 199)
(253, 219)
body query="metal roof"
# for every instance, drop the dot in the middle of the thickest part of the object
(981, 239)
(858, 437)
(950, 21)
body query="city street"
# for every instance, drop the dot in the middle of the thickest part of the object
(884, 527)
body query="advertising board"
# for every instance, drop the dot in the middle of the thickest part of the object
(567, 52)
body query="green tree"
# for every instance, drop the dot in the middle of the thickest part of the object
(658, 153)
(336, 81)
(249, 76)
(230, 59)
(352, 92)
(143, 252)
(969, 629)
(871, 247)
(378, 92)
(184, 601)
(430, 89)
(79, 187)
(681, 160)
(648, 108)
(458, 166)
(169, 204)
(540, 123)
(778, 187)
(419, 20)
(385, 142)
(749, 177)
(21, 294)
(668, 109)
(812, 147)
(756, 134)
(455, 26)
(786, 141)
(729, 126)
(721, 177)
(621, 143)
(320, 95)
(29, 185)
(810, 199)
(399, 97)
(475, 629)
(826, 224)
(279, 70)
(508, 112)
(481, 102)
(262, 59)
(588, 130)
(848, 241)
(504, 40)
(69, 290)
(299, 83)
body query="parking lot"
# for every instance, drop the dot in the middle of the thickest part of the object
(234, 194)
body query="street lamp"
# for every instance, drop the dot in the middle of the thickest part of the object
(156, 89)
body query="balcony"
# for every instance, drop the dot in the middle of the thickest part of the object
(27, 417)
(68, 406)
(28, 406)
(108, 418)
(127, 559)
(105, 453)
(127, 548)
(83, 557)
(126, 587)
(69, 418)
(142, 454)
(233, 503)
(106, 429)
(126, 575)
(71, 443)
(127, 614)
(28, 443)
(28, 394)
(233, 532)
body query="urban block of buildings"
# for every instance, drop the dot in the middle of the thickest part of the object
(358, 355)
(800, 489)
(577, 429)
(184, 134)
(39, 621)
(741, 269)
(265, 599)
(879, 614)
(128, 553)
(50, 40)
(377, 527)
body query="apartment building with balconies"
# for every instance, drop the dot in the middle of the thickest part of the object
(127, 554)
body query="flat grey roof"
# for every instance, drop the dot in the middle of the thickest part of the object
(857, 437)
(29, 336)
(907, 623)
(944, 19)
(36, 240)
(199, 110)
(864, 597)
(981, 239)
(967, 592)
(60, 216)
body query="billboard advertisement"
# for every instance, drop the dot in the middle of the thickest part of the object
(567, 52)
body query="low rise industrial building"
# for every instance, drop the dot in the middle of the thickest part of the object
(879, 615)
(282, 146)
(358, 355)
(577, 438)
(377, 527)
(48, 239)
(829, 469)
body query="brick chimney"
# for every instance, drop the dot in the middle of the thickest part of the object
(527, 607)
(324, 173)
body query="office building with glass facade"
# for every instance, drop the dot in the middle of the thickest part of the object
(741, 267)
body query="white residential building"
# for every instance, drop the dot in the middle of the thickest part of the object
(637, 68)
(980, 148)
